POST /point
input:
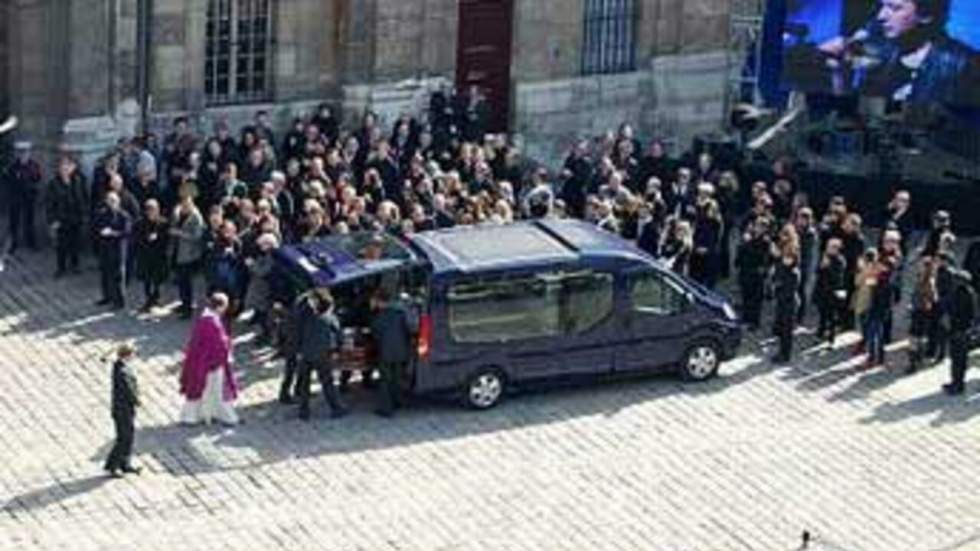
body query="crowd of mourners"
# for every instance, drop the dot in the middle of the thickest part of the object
(218, 206)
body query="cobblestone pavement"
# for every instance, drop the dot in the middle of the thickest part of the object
(863, 460)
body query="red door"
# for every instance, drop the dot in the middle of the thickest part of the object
(483, 54)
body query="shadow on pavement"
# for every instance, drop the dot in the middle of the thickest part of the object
(52, 495)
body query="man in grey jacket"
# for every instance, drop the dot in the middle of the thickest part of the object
(320, 342)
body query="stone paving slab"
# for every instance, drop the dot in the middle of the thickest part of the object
(863, 460)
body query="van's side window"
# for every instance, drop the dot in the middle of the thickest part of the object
(587, 301)
(652, 294)
(504, 310)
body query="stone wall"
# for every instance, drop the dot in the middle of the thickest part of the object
(679, 96)
(548, 34)
(414, 38)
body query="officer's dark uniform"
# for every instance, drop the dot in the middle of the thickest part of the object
(22, 181)
(125, 399)
(962, 314)
(321, 340)
(112, 254)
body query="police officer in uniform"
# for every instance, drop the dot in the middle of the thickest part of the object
(23, 181)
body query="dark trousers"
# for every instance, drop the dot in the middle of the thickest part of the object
(874, 338)
(959, 349)
(185, 285)
(151, 290)
(286, 389)
(801, 311)
(753, 293)
(783, 329)
(324, 374)
(112, 266)
(21, 213)
(886, 327)
(66, 248)
(829, 316)
(389, 397)
(122, 450)
(938, 336)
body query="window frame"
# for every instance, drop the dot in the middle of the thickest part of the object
(489, 283)
(555, 282)
(609, 31)
(240, 35)
(683, 296)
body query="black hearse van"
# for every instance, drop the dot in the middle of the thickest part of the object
(499, 306)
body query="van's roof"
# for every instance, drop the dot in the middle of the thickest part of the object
(476, 248)
(335, 260)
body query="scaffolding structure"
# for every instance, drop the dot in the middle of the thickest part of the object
(745, 41)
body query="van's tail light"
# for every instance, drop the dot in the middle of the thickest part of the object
(425, 336)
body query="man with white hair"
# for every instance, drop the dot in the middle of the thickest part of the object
(113, 226)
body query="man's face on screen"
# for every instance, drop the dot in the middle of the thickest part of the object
(898, 17)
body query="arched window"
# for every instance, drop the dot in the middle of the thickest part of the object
(609, 37)
(237, 67)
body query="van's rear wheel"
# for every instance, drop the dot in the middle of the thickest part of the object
(701, 362)
(485, 389)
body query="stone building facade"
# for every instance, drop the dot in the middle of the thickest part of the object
(72, 69)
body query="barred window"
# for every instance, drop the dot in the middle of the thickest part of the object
(238, 52)
(609, 37)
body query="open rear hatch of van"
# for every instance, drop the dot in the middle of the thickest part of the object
(353, 266)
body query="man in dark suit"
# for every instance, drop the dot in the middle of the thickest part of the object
(393, 329)
(66, 203)
(113, 225)
(962, 314)
(125, 400)
(320, 343)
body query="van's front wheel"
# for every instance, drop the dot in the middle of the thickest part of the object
(701, 362)
(485, 389)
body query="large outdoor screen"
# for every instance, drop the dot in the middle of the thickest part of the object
(914, 51)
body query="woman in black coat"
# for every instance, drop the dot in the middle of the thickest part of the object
(830, 290)
(786, 284)
(706, 256)
(151, 239)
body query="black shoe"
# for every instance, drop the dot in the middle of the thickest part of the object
(132, 470)
(286, 400)
(953, 390)
(102, 302)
